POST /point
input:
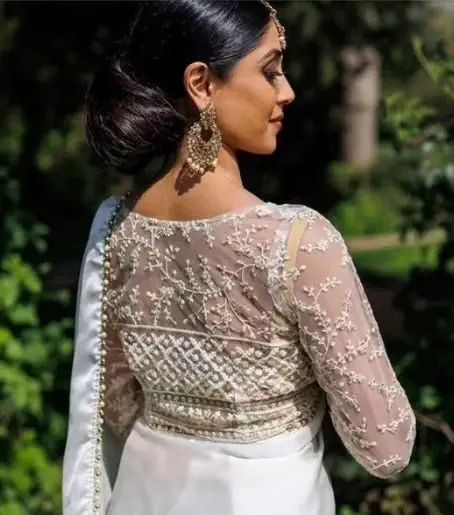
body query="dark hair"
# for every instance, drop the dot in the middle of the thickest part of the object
(133, 104)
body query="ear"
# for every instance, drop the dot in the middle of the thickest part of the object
(198, 84)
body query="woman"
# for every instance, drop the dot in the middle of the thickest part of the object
(211, 326)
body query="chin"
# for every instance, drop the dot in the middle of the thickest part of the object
(263, 145)
(269, 149)
(266, 147)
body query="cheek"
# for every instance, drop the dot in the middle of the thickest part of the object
(244, 112)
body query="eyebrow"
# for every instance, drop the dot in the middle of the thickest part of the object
(273, 52)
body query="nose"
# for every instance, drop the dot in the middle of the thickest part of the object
(286, 93)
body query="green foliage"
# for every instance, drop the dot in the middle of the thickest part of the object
(317, 33)
(33, 345)
(31, 425)
(44, 170)
(367, 212)
(427, 300)
(403, 116)
(373, 197)
(411, 189)
(397, 262)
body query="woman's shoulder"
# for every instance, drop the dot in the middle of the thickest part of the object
(295, 213)
(300, 223)
(103, 215)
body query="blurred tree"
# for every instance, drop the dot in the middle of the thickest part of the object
(427, 301)
(318, 31)
(33, 339)
(47, 68)
(423, 164)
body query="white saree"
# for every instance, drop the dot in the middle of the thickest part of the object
(231, 414)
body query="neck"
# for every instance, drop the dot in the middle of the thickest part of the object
(179, 196)
(228, 164)
(227, 167)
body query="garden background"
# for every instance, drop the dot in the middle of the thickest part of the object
(369, 142)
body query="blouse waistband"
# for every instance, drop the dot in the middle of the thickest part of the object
(277, 446)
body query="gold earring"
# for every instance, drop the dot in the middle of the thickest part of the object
(204, 142)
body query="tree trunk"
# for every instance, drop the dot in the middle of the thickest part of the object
(361, 102)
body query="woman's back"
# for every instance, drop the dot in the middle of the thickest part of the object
(230, 328)
(194, 306)
(223, 338)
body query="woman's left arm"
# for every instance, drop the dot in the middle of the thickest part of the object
(368, 406)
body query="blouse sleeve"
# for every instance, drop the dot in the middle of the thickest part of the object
(367, 404)
(123, 393)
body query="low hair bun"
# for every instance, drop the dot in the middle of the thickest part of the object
(128, 123)
(137, 104)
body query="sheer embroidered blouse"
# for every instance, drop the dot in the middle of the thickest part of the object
(237, 328)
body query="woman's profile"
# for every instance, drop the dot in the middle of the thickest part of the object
(214, 330)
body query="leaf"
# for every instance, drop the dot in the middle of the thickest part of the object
(429, 398)
(24, 314)
(9, 292)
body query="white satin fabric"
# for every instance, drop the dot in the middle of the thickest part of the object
(165, 474)
(79, 459)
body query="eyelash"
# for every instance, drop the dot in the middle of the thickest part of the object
(271, 76)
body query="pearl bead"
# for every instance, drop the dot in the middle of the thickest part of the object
(106, 266)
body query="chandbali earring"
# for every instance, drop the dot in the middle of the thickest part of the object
(204, 142)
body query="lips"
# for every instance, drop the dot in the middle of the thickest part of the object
(278, 119)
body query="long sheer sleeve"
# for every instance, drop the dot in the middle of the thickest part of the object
(368, 406)
(123, 394)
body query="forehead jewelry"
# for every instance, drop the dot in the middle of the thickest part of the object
(279, 26)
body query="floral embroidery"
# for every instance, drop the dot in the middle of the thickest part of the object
(215, 332)
(368, 407)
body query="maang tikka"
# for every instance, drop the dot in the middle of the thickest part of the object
(204, 142)
(280, 28)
